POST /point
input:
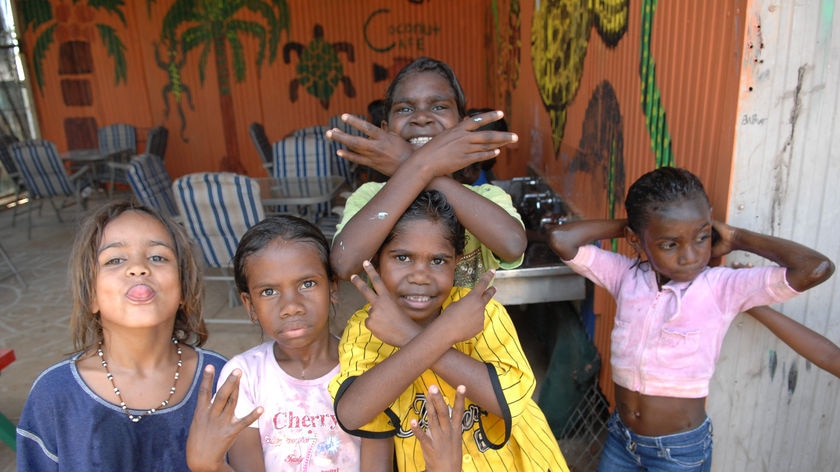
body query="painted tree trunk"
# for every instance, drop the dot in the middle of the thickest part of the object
(230, 161)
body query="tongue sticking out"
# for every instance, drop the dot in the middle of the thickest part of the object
(140, 293)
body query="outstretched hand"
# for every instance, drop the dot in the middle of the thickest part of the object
(452, 150)
(214, 426)
(460, 146)
(379, 149)
(441, 441)
(386, 320)
(465, 318)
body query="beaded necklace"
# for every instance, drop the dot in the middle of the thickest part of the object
(133, 418)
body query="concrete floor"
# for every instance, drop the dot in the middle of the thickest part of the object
(34, 318)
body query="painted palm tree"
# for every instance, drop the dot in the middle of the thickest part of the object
(212, 26)
(71, 23)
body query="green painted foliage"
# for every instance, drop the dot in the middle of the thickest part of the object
(113, 7)
(42, 44)
(212, 20)
(116, 49)
(35, 13)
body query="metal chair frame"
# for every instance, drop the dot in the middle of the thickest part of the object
(263, 145)
(46, 177)
(151, 184)
(119, 142)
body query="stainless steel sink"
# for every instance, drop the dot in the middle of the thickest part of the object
(542, 277)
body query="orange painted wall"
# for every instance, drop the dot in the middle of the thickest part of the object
(383, 35)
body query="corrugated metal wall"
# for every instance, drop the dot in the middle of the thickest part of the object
(785, 178)
(619, 126)
(741, 93)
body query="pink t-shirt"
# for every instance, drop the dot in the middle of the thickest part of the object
(298, 428)
(667, 342)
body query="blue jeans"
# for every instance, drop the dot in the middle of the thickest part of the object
(628, 451)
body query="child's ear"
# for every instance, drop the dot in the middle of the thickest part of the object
(246, 302)
(334, 292)
(634, 240)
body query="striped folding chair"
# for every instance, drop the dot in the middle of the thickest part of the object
(260, 140)
(152, 184)
(216, 209)
(316, 129)
(342, 167)
(119, 143)
(156, 141)
(46, 177)
(9, 165)
(301, 155)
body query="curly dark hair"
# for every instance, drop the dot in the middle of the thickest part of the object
(431, 205)
(653, 190)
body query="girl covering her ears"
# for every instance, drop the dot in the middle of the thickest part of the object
(273, 411)
(673, 311)
(125, 399)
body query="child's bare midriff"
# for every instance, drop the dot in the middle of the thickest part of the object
(650, 415)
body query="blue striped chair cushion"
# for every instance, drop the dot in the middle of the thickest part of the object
(217, 208)
(305, 154)
(302, 155)
(152, 184)
(43, 171)
(117, 137)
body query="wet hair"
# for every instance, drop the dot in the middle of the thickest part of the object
(657, 189)
(431, 205)
(86, 326)
(427, 64)
(285, 227)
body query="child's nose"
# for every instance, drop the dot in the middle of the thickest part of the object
(420, 274)
(421, 117)
(138, 268)
(689, 255)
(291, 305)
(291, 309)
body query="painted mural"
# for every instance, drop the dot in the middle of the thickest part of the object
(655, 117)
(206, 69)
(508, 43)
(319, 69)
(73, 26)
(559, 40)
(215, 26)
(175, 87)
(601, 147)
